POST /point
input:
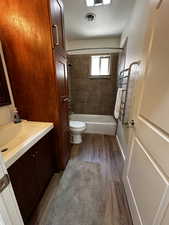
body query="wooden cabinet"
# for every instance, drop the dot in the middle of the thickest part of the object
(30, 175)
(57, 21)
(61, 71)
(44, 162)
(32, 36)
(60, 63)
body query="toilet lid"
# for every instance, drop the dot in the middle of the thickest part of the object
(76, 124)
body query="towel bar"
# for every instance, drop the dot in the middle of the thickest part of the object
(125, 83)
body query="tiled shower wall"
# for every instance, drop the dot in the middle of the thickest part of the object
(91, 96)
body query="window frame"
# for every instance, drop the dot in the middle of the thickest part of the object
(101, 76)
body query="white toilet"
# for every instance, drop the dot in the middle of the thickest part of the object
(76, 130)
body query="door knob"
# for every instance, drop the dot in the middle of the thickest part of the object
(129, 123)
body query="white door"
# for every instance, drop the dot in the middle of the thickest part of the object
(147, 175)
(9, 211)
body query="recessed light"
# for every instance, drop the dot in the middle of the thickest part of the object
(91, 3)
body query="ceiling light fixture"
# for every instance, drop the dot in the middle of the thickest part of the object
(91, 3)
(90, 17)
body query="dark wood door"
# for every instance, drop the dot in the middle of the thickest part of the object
(31, 174)
(24, 181)
(61, 77)
(57, 26)
(44, 162)
(61, 71)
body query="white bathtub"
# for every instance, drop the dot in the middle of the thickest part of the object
(96, 124)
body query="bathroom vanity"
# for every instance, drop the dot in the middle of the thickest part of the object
(28, 156)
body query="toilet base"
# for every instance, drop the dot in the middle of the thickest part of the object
(76, 138)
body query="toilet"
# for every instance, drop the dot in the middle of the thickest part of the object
(76, 130)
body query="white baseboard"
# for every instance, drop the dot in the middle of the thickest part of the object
(121, 148)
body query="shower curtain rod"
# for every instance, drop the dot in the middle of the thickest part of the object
(106, 48)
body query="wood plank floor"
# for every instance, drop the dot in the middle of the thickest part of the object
(104, 150)
(100, 149)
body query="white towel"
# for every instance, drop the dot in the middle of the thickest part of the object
(118, 103)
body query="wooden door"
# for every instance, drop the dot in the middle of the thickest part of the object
(61, 73)
(31, 174)
(24, 181)
(146, 177)
(57, 26)
(44, 162)
(61, 78)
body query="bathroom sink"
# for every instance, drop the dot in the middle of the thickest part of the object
(9, 132)
(16, 139)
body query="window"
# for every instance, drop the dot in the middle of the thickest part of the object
(100, 65)
(91, 3)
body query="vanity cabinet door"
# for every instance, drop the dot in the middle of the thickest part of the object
(44, 162)
(30, 176)
(24, 182)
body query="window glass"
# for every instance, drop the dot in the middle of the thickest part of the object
(100, 65)
(104, 66)
(95, 65)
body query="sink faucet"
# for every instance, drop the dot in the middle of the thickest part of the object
(16, 117)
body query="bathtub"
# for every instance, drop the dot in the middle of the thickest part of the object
(96, 124)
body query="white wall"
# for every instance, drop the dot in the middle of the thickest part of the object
(137, 31)
(93, 43)
(6, 111)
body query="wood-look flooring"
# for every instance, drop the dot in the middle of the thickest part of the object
(104, 150)
(100, 149)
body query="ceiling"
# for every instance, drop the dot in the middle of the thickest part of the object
(110, 19)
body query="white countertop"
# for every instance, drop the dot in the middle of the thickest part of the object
(19, 138)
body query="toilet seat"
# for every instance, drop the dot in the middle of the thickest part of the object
(76, 124)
